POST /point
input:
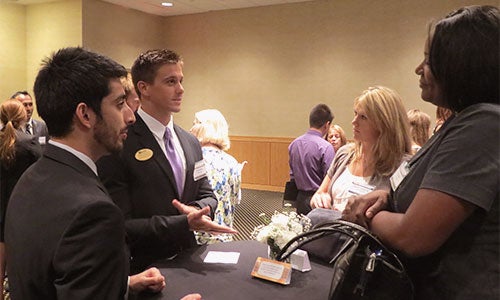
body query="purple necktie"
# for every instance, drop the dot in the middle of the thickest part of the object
(174, 159)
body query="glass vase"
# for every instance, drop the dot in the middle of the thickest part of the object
(272, 252)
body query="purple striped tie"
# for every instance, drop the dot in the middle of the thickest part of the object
(174, 159)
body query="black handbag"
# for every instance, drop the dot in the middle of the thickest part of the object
(291, 191)
(363, 268)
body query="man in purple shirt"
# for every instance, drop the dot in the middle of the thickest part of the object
(310, 156)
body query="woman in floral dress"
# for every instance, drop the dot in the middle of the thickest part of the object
(223, 170)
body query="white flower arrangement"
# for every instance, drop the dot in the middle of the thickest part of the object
(280, 229)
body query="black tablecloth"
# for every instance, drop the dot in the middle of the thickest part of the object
(187, 273)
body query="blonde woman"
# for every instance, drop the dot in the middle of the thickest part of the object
(420, 124)
(223, 170)
(336, 137)
(18, 151)
(382, 143)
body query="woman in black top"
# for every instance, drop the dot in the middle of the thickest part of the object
(18, 151)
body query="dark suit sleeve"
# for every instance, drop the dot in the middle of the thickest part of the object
(91, 261)
(206, 197)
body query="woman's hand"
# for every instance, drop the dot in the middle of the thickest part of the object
(361, 209)
(321, 200)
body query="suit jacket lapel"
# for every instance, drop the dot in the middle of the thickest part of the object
(67, 158)
(188, 156)
(34, 127)
(146, 139)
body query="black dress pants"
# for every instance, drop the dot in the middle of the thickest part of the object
(303, 202)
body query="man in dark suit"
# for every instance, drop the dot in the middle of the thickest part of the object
(65, 238)
(155, 188)
(32, 126)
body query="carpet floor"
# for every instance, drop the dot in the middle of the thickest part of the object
(253, 203)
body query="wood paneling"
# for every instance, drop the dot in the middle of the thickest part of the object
(267, 158)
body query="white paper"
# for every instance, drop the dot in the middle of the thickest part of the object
(218, 257)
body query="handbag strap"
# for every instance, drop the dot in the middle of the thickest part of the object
(306, 237)
(354, 231)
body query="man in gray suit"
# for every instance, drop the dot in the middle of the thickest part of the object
(32, 127)
(159, 177)
(65, 238)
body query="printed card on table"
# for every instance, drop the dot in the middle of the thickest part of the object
(272, 270)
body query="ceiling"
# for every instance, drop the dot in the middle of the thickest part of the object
(180, 7)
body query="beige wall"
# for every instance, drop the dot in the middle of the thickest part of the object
(119, 32)
(49, 27)
(264, 68)
(30, 33)
(13, 49)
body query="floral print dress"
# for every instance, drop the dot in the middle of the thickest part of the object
(224, 175)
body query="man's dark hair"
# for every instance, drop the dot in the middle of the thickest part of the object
(319, 115)
(464, 56)
(20, 93)
(148, 63)
(70, 77)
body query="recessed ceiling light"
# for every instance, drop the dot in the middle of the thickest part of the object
(168, 4)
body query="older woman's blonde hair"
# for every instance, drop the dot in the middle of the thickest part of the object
(384, 107)
(128, 85)
(13, 117)
(420, 125)
(210, 127)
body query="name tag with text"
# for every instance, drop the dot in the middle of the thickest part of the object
(199, 170)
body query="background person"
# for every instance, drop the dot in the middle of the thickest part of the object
(131, 95)
(336, 137)
(18, 151)
(444, 215)
(382, 143)
(420, 126)
(310, 155)
(223, 170)
(32, 126)
(158, 179)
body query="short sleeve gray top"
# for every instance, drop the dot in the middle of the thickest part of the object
(463, 160)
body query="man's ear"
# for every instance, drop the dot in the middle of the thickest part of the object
(84, 115)
(143, 88)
